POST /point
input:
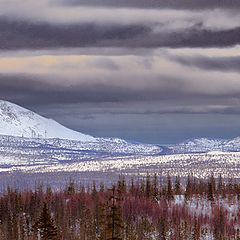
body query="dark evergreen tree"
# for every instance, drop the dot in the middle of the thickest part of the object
(170, 195)
(213, 183)
(45, 227)
(189, 186)
(148, 186)
(155, 190)
(121, 186)
(177, 190)
(70, 189)
(210, 195)
(95, 199)
(114, 217)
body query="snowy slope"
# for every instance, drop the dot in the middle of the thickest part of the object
(55, 160)
(202, 145)
(18, 121)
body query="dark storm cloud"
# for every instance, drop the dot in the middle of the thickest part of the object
(33, 90)
(27, 35)
(195, 37)
(175, 4)
(27, 89)
(210, 63)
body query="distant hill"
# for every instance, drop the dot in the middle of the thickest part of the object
(21, 122)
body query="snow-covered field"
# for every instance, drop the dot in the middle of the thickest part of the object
(39, 160)
(200, 145)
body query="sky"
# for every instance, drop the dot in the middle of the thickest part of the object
(151, 71)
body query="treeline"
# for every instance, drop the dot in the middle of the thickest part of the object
(149, 208)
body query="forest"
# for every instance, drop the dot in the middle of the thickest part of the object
(142, 208)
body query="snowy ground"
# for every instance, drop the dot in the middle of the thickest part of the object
(104, 160)
(108, 169)
(201, 165)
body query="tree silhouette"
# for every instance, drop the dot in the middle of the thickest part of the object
(210, 195)
(45, 227)
(177, 189)
(114, 217)
(170, 195)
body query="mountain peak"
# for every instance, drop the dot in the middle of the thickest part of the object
(19, 121)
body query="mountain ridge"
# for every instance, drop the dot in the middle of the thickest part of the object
(198, 145)
(18, 121)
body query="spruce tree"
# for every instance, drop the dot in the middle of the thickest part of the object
(221, 187)
(170, 195)
(178, 190)
(213, 183)
(70, 189)
(45, 226)
(148, 186)
(210, 195)
(155, 188)
(114, 217)
(188, 191)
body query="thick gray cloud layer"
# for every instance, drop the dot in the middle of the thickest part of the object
(176, 4)
(24, 35)
(222, 64)
(45, 25)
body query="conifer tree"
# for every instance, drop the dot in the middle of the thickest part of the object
(210, 191)
(45, 227)
(177, 189)
(213, 183)
(148, 186)
(221, 187)
(102, 187)
(95, 199)
(102, 228)
(132, 187)
(170, 195)
(142, 188)
(188, 191)
(121, 186)
(155, 188)
(114, 217)
(70, 189)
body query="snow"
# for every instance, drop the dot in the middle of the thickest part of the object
(215, 153)
(25, 152)
(28, 156)
(31, 143)
(18, 121)
(205, 145)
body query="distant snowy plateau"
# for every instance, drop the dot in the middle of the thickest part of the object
(31, 146)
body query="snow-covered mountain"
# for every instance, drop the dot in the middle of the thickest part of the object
(18, 121)
(33, 144)
(26, 134)
(202, 145)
